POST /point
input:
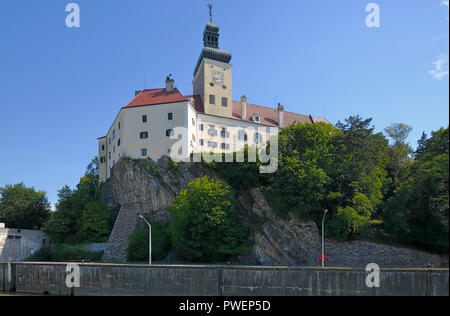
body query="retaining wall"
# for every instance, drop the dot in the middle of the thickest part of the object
(169, 280)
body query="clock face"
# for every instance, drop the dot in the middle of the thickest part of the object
(217, 77)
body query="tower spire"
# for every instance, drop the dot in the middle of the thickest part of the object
(210, 13)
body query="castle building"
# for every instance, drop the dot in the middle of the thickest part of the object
(149, 126)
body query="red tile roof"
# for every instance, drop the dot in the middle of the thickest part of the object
(156, 96)
(198, 104)
(268, 116)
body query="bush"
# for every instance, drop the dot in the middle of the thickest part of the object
(60, 253)
(137, 250)
(205, 227)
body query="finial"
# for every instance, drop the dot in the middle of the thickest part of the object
(210, 12)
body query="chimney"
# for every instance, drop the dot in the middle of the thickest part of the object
(280, 115)
(244, 108)
(169, 84)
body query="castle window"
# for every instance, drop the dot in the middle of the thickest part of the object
(103, 147)
(212, 144)
(212, 132)
(144, 135)
(200, 127)
(170, 116)
(102, 159)
(114, 133)
(224, 102)
(225, 146)
(193, 122)
(118, 143)
(224, 133)
(256, 118)
(169, 132)
(109, 155)
(242, 135)
(212, 99)
(119, 125)
(258, 138)
(144, 152)
(144, 118)
(201, 142)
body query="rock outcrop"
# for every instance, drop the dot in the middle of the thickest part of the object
(288, 242)
(144, 187)
(149, 188)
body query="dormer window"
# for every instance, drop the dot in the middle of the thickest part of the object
(256, 119)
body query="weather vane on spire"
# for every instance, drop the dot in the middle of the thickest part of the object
(210, 12)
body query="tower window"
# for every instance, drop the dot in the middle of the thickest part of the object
(224, 102)
(170, 116)
(144, 152)
(144, 118)
(144, 135)
(212, 99)
(169, 132)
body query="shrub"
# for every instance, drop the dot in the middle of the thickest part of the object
(205, 226)
(60, 253)
(137, 250)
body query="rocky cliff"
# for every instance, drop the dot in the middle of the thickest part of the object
(147, 187)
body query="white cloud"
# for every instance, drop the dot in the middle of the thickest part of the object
(440, 67)
(444, 3)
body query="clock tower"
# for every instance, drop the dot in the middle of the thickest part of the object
(213, 75)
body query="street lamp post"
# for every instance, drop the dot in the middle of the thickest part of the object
(323, 239)
(149, 240)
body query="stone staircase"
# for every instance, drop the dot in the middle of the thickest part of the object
(116, 248)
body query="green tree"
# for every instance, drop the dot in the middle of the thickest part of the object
(23, 207)
(138, 248)
(205, 227)
(80, 217)
(418, 212)
(399, 152)
(94, 226)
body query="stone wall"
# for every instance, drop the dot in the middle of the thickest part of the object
(360, 253)
(104, 279)
(19, 244)
(116, 248)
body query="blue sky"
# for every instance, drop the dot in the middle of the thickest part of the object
(61, 88)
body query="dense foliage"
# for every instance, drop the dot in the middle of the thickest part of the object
(205, 227)
(138, 241)
(418, 212)
(60, 253)
(80, 216)
(367, 183)
(22, 207)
